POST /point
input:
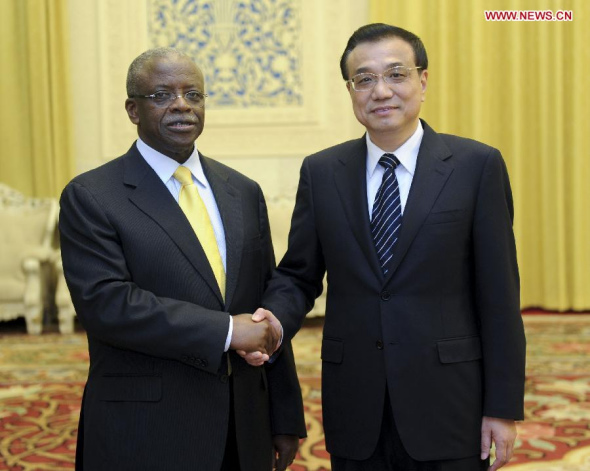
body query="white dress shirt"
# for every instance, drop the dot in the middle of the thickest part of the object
(407, 154)
(165, 167)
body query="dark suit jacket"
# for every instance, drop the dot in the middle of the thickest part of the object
(157, 395)
(442, 330)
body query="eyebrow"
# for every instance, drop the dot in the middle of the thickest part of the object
(362, 70)
(167, 85)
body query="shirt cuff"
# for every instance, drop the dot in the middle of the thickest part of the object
(230, 332)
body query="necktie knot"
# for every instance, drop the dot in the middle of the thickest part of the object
(389, 161)
(183, 175)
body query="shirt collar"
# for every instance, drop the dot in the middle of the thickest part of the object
(165, 166)
(407, 153)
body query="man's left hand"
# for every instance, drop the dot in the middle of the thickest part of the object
(285, 448)
(503, 433)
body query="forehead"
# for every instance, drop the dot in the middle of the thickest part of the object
(379, 55)
(172, 71)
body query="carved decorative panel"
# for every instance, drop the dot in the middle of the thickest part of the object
(249, 51)
(271, 69)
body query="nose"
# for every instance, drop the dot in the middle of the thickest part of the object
(382, 90)
(180, 102)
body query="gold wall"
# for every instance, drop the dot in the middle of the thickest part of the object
(265, 141)
(519, 86)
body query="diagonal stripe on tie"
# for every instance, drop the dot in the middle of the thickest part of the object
(196, 212)
(386, 218)
(390, 218)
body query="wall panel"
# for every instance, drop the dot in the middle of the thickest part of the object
(266, 137)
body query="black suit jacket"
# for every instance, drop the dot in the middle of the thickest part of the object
(157, 395)
(442, 331)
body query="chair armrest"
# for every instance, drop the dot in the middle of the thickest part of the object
(32, 270)
(63, 300)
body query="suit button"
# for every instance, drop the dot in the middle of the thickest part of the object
(223, 378)
(379, 344)
(385, 295)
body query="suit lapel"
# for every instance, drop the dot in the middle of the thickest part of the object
(152, 197)
(351, 183)
(229, 204)
(432, 172)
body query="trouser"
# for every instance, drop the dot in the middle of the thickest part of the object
(231, 460)
(390, 454)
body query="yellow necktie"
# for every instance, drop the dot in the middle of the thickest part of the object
(196, 212)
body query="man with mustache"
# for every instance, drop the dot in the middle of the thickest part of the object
(166, 254)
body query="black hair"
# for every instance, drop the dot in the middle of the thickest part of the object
(377, 31)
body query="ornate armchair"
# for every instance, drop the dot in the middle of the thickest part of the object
(26, 255)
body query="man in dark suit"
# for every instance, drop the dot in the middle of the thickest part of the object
(161, 303)
(423, 345)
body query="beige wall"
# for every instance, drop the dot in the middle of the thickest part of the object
(266, 144)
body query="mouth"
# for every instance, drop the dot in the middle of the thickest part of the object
(181, 125)
(383, 110)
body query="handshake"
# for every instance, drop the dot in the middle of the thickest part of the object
(257, 336)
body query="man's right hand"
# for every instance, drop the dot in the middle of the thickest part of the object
(250, 336)
(258, 358)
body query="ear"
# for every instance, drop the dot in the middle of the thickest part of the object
(423, 81)
(131, 107)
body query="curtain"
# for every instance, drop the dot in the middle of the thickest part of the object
(35, 131)
(521, 87)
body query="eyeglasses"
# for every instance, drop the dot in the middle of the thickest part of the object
(167, 98)
(367, 81)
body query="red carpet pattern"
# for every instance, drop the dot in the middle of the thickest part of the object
(556, 433)
(42, 378)
(41, 383)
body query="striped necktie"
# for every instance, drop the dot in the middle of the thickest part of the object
(196, 212)
(386, 219)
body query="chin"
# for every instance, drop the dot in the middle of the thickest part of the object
(388, 126)
(184, 142)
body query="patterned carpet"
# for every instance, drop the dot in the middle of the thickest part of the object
(41, 381)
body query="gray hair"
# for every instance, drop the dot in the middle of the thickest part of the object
(140, 61)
